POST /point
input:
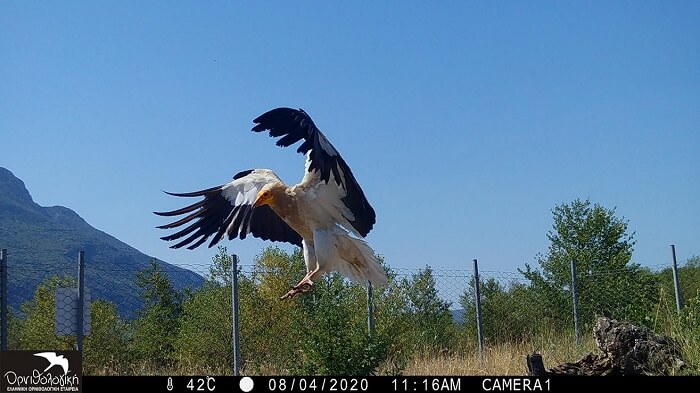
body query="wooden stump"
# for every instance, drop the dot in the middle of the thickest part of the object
(627, 350)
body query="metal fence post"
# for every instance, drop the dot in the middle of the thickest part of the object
(479, 326)
(234, 302)
(676, 283)
(574, 295)
(3, 300)
(81, 299)
(370, 309)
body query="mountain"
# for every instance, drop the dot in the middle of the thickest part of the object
(42, 242)
(458, 315)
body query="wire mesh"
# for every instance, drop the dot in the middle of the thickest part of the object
(157, 318)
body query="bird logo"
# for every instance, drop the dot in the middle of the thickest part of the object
(54, 360)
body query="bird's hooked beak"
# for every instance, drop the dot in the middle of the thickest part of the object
(264, 198)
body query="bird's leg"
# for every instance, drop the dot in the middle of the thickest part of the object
(306, 284)
(303, 286)
(292, 292)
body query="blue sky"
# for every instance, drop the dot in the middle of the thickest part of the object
(465, 122)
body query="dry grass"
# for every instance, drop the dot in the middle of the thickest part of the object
(507, 358)
(688, 339)
(510, 358)
(499, 359)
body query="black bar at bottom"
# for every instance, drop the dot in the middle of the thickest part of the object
(414, 384)
(201, 383)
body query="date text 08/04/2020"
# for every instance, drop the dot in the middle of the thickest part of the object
(405, 384)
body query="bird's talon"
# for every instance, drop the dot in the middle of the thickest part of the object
(292, 292)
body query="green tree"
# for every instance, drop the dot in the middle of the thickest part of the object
(264, 318)
(220, 270)
(394, 322)
(155, 329)
(205, 339)
(37, 329)
(508, 313)
(688, 280)
(689, 277)
(433, 323)
(106, 347)
(320, 332)
(333, 325)
(599, 242)
(15, 326)
(689, 319)
(689, 284)
(204, 342)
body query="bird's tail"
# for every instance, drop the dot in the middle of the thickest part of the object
(359, 262)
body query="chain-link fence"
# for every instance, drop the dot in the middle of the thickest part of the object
(161, 319)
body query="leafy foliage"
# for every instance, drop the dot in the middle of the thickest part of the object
(206, 327)
(334, 333)
(37, 328)
(507, 312)
(690, 316)
(597, 241)
(155, 330)
(430, 316)
(688, 277)
(107, 346)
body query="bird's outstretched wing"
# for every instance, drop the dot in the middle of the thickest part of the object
(323, 160)
(54, 360)
(50, 356)
(228, 210)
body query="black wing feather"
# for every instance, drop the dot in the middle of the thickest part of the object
(215, 215)
(294, 125)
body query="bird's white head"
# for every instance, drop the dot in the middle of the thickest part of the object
(270, 194)
(265, 197)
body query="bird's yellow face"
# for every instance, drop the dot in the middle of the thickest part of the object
(264, 198)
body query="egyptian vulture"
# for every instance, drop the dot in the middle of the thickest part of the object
(326, 214)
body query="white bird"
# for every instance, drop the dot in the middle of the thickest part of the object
(54, 360)
(320, 214)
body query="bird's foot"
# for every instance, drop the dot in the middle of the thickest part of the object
(292, 292)
(302, 287)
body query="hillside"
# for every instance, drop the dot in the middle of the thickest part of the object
(44, 241)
